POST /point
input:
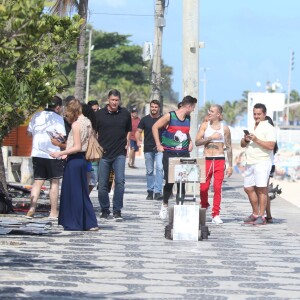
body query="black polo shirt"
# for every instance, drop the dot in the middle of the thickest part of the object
(112, 129)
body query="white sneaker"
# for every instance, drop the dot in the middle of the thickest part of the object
(164, 212)
(217, 220)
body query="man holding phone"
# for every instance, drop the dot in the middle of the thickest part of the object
(259, 144)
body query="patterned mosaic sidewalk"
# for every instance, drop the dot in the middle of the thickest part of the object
(133, 260)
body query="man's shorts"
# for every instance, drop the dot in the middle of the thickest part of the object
(47, 169)
(134, 146)
(257, 174)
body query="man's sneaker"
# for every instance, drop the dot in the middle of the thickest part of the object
(164, 212)
(158, 196)
(104, 215)
(117, 216)
(150, 196)
(260, 221)
(250, 219)
(217, 220)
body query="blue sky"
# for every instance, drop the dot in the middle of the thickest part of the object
(246, 41)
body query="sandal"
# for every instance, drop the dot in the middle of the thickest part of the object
(30, 213)
(93, 229)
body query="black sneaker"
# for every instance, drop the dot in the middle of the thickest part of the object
(158, 196)
(117, 216)
(104, 215)
(150, 196)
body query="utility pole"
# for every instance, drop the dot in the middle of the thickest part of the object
(291, 68)
(156, 79)
(191, 59)
(88, 69)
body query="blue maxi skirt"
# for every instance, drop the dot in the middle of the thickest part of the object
(76, 211)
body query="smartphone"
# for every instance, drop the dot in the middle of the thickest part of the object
(246, 132)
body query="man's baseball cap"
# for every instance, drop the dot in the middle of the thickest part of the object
(134, 109)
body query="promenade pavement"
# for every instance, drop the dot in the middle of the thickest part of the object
(133, 260)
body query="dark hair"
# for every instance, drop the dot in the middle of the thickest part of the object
(88, 112)
(188, 100)
(93, 102)
(56, 101)
(260, 106)
(179, 104)
(114, 92)
(269, 119)
(155, 102)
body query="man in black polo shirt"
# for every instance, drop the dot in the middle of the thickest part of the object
(113, 128)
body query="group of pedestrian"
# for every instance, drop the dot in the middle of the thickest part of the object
(120, 132)
(55, 158)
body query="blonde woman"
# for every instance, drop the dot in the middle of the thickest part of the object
(76, 210)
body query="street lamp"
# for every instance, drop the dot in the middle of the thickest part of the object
(91, 47)
(291, 68)
(204, 84)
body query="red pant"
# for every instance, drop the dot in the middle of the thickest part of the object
(214, 167)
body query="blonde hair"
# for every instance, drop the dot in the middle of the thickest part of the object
(73, 110)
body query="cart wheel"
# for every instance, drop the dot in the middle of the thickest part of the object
(204, 232)
(168, 232)
(171, 215)
(177, 199)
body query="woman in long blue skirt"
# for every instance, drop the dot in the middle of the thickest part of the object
(76, 210)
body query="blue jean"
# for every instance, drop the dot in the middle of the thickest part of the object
(105, 165)
(154, 182)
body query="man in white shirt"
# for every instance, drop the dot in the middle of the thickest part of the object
(259, 144)
(43, 126)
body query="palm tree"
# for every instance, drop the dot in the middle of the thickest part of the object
(63, 7)
(204, 110)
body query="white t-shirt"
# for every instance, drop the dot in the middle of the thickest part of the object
(40, 123)
(255, 153)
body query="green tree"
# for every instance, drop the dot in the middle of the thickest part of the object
(32, 47)
(114, 58)
(115, 63)
(204, 110)
(232, 110)
(64, 7)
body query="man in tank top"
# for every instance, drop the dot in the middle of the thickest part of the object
(215, 137)
(174, 141)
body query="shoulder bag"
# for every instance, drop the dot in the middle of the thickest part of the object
(94, 151)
